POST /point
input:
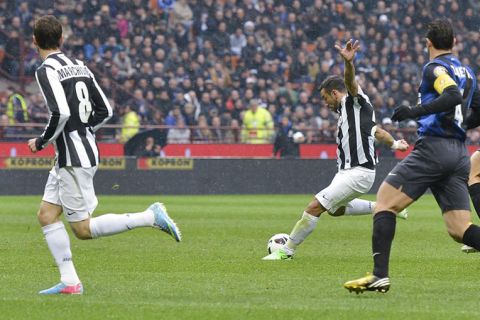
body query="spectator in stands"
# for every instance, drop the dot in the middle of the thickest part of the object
(179, 134)
(281, 48)
(232, 135)
(189, 114)
(37, 109)
(384, 150)
(173, 116)
(3, 103)
(151, 149)
(124, 64)
(182, 13)
(5, 130)
(237, 42)
(203, 132)
(130, 123)
(139, 104)
(257, 124)
(218, 134)
(284, 143)
(12, 47)
(473, 137)
(17, 109)
(411, 131)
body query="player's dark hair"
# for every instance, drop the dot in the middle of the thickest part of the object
(333, 83)
(48, 32)
(440, 33)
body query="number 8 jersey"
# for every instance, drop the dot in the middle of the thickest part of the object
(77, 107)
(439, 74)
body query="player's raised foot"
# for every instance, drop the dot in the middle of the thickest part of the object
(278, 255)
(368, 283)
(164, 222)
(468, 249)
(403, 214)
(62, 288)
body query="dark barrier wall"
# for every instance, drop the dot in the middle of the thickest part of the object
(207, 176)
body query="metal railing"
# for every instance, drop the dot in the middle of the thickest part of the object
(197, 134)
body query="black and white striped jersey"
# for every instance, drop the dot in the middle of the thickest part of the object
(356, 132)
(77, 107)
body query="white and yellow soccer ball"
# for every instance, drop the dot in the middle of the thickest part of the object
(276, 242)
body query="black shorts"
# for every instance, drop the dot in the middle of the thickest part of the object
(441, 164)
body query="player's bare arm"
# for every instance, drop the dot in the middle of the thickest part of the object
(449, 97)
(348, 54)
(387, 139)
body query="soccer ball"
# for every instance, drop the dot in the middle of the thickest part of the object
(298, 137)
(277, 242)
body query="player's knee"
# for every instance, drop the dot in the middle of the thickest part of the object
(340, 212)
(40, 215)
(81, 230)
(457, 222)
(314, 208)
(82, 234)
(45, 218)
(456, 236)
(456, 233)
(379, 207)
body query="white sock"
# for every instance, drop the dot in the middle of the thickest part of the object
(59, 244)
(358, 207)
(300, 232)
(110, 224)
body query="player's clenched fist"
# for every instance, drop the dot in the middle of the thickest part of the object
(32, 144)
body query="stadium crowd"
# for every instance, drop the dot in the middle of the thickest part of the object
(213, 64)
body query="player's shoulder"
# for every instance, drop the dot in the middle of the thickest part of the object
(440, 65)
(77, 61)
(437, 69)
(360, 96)
(433, 70)
(60, 59)
(360, 91)
(42, 70)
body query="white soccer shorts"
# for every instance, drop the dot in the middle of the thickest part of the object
(72, 188)
(346, 185)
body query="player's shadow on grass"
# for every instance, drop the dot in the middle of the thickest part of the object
(368, 295)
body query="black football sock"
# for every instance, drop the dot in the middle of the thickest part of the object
(471, 237)
(474, 191)
(384, 223)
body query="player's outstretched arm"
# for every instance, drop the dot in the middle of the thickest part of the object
(449, 96)
(386, 138)
(348, 54)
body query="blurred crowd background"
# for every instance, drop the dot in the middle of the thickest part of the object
(229, 70)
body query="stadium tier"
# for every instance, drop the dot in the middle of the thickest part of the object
(195, 66)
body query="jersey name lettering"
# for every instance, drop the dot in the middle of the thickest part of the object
(68, 72)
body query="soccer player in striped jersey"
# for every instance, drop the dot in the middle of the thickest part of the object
(77, 107)
(439, 161)
(356, 156)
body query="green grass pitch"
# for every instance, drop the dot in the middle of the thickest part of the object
(216, 272)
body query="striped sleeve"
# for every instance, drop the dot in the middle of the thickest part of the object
(102, 111)
(54, 95)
